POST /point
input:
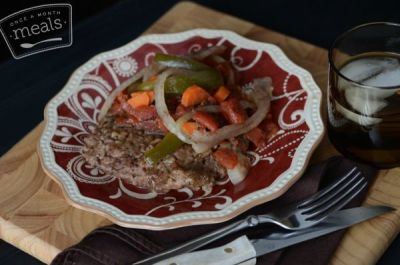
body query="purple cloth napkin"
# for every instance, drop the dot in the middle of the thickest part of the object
(115, 245)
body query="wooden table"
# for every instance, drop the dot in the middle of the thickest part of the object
(35, 217)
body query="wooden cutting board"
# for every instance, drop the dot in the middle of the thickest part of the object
(35, 217)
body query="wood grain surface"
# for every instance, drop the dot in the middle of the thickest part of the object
(35, 217)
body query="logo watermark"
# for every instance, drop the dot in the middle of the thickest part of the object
(38, 29)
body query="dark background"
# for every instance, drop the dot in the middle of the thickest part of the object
(27, 84)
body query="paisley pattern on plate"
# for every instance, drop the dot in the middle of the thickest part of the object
(73, 114)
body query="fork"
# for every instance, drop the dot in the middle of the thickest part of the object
(299, 215)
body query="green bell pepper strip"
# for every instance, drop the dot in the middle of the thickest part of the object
(168, 145)
(173, 85)
(177, 84)
(199, 74)
(209, 79)
(179, 62)
(145, 86)
(133, 87)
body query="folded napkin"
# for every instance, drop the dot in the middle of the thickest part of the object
(115, 245)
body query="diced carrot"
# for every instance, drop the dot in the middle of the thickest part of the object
(139, 99)
(142, 98)
(221, 94)
(206, 120)
(226, 157)
(194, 95)
(257, 136)
(189, 127)
(232, 111)
(151, 95)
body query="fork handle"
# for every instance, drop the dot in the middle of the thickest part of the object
(201, 241)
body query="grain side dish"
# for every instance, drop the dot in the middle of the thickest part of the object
(183, 121)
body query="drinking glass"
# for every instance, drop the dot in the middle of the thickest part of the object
(364, 94)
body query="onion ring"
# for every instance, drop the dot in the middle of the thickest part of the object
(261, 95)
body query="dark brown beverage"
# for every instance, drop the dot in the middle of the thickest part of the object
(364, 108)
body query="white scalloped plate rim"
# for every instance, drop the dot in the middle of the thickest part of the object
(312, 113)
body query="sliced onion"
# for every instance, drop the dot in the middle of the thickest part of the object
(218, 59)
(239, 172)
(203, 141)
(208, 52)
(149, 71)
(145, 73)
(247, 104)
(152, 70)
(167, 119)
(231, 73)
(179, 124)
(209, 108)
(110, 99)
(260, 93)
(162, 109)
(186, 117)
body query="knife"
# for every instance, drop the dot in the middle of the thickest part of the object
(244, 251)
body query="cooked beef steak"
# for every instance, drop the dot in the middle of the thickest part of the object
(118, 150)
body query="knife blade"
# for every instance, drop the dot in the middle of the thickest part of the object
(244, 251)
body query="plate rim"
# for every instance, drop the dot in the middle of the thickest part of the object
(312, 115)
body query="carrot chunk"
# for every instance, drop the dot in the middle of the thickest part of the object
(232, 111)
(226, 157)
(194, 95)
(150, 94)
(221, 94)
(206, 120)
(189, 127)
(142, 98)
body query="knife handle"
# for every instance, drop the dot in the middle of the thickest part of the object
(235, 252)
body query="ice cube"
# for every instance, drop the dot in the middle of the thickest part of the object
(370, 71)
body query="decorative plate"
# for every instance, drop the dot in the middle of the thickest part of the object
(73, 113)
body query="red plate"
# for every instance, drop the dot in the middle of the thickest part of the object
(73, 114)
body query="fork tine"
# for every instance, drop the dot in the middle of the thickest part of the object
(338, 202)
(327, 189)
(338, 191)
